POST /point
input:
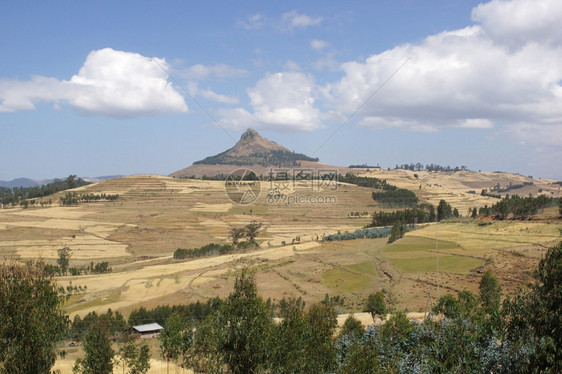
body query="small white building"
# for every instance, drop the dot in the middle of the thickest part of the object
(150, 330)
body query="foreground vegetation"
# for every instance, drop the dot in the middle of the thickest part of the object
(473, 334)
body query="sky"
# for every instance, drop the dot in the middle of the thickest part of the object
(133, 87)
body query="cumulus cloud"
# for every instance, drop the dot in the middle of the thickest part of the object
(500, 72)
(281, 101)
(518, 22)
(110, 83)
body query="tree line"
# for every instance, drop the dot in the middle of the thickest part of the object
(18, 195)
(73, 199)
(390, 196)
(430, 167)
(206, 250)
(518, 207)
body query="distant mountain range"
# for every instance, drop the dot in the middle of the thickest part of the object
(27, 182)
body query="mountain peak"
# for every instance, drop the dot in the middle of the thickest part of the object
(253, 149)
(250, 134)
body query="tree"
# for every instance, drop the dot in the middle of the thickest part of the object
(352, 327)
(245, 326)
(171, 339)
(376, 305)
(321, 352)
(490, 292)
(31, 321)
(99, 354)
(290, 338)
(64, 259)
(252, 229)
(456, 213)
(534, 318)
(135, 357)
(396, 232)
(443, 210)
(237, 233)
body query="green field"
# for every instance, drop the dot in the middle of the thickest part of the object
(414, 254)
(351, 277)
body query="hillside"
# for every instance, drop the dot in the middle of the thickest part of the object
(154, 215)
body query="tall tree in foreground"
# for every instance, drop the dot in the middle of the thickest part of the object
(136, 357)
(534, 318)
(245, 327)
(171, 339)
(31, 321)
(99, 354)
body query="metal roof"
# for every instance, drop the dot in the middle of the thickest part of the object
(149, 327)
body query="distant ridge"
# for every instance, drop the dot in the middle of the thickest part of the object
(27, 182)
(253, 149)
(23, 182)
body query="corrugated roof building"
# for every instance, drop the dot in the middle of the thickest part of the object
(148, 330)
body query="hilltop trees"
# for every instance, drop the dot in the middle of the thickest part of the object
(31, 319)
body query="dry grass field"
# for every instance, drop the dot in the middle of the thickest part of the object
(138, 233)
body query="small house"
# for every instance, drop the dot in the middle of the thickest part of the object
(150, 330)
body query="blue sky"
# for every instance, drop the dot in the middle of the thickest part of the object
(101, 88)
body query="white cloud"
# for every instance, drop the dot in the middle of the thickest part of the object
(200, 72)
(110, 83)
(521, 21)
(294, 20)
(318, 45)
(194, 90)
(282, 101)
(476, 123)
(476, 77)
